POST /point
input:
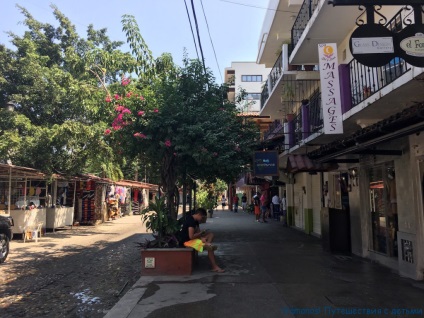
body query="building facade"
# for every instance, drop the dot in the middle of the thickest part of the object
(361, 189)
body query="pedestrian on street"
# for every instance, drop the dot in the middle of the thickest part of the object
(257, 206)
(264, 206)
(275, 206)
(284, 209)
(235, 202)
(244, 202)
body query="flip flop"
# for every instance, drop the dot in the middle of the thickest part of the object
(218, 270)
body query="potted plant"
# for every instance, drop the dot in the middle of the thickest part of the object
(162, 254)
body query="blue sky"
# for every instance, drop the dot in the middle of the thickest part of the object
(164, 24)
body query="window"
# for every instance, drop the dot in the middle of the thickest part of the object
(250, 96)
(251, 78)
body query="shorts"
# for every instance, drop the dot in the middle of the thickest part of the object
(257, 210)
(263, 208)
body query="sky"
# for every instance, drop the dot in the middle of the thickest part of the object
(234, 25)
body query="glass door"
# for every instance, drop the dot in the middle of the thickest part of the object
(383, 209)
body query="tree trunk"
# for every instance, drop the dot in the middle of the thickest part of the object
(169, 179)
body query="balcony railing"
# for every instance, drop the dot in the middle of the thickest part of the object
(316, 122)
(298, 129)
(365, 80)
(273, 129)
(305, 13)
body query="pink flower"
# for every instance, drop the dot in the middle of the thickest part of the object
(126, 111)
(141, 97)
(140, 113)
(129, 94)
(125, 81)
(117, 97)
(119, 108)
(107, 132)
(156, 110)
(175, 154)
(215, 154)
(108, 99)
(168, 143)
(140, 135)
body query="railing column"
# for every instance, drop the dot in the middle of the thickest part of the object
(345, 88)
(305, 119)
(269, 86)
(291, 130)
(285, 57)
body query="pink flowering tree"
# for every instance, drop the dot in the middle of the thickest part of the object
(180, 120)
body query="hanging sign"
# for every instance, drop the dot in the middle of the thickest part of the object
(265, 163)
(330, 88)
(411, 44)
(372, 45)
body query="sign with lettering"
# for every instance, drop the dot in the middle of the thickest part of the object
(330, 88)
(372, 45)
(411, 44)
(265, 163)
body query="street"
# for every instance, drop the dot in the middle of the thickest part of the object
(79, 272)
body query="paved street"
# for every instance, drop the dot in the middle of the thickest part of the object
(76, 272)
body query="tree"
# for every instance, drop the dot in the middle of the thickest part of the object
(58, 124)
(181, 122)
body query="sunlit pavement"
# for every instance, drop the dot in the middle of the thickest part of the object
(272, 271)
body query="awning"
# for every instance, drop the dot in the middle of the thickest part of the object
(302, 163)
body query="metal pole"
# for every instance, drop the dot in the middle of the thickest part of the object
(9, 196)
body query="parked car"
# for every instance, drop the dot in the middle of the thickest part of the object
(21, 203)
(6, 234)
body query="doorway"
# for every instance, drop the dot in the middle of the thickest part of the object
(383, 209)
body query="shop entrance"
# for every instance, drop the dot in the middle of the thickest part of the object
(383, 208)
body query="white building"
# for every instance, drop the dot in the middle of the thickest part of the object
(250, 77)
(361, 190)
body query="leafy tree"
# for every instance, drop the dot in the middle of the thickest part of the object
(58, 123)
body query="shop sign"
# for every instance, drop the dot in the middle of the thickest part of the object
(414, 45)
(330, 88)
(372, 45)
(411, 45)
(265, 163)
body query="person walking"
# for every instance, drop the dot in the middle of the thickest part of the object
(284, 209)
(223, 201)
(257, 206)
(244, 202)
(236, 203)
(275, 206)
(264, 208)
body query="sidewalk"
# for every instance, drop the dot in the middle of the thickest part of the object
(273, 271)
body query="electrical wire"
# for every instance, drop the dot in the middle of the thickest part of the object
(207, 25)
(191, 27)
(198, 35)
(257, 7)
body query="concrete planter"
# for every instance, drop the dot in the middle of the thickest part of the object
(166, 261)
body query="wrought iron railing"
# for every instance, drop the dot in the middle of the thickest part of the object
(365, 80)
(316, 121)
(264, 94)
(305, 13)
(298, 129)
(272, 129)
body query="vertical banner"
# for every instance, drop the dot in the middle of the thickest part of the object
(330, 88)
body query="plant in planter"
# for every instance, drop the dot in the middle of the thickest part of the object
(163, 227)
(162, 255)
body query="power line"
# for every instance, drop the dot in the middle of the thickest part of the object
(207, 25)
(252, 6)
(191, 27)
(198, 35)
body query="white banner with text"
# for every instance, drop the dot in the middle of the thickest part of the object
(330, 88)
